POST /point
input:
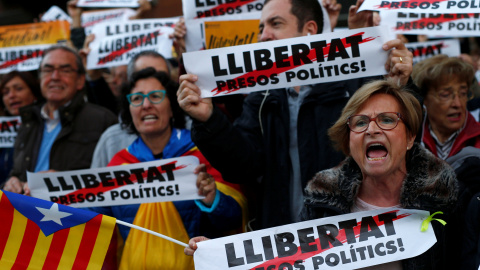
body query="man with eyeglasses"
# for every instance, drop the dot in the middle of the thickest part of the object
(60, 134)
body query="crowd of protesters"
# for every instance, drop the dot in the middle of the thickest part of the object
(270, 158)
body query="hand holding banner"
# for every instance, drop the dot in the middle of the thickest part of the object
(154, 181)
(348, 241)
(289, 62)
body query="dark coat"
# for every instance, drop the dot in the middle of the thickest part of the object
(82, 125)
(430, 185)
(255, 150)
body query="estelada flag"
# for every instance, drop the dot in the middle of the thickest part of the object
(38, 234)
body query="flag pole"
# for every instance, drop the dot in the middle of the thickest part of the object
(151, 232)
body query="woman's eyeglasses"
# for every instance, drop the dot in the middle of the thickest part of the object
(386, 121)
(447, 96)
(155, 97)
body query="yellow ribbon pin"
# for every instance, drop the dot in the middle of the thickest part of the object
(429, 219)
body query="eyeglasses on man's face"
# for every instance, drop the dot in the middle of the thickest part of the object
(386, 121)
(155, 97)
(66, 70)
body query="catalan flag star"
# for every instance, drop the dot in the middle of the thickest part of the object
(53, 214)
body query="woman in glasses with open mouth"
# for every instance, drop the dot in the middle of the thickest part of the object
(150, 109)
(384, 167)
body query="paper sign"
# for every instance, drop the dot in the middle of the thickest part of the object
(424, 50)
(155, 181)
(117, 50)
(107, 29)
(422, 6)
(208, 8)
(219, 34)
(289, 62)
(34, 33)
(22, 58)
(55, 13)
(8, 130)
(455, 25)
(350, 241)
(89, 19)
(108, 3)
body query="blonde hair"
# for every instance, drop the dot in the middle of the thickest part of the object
(432, 72)
(410, 108)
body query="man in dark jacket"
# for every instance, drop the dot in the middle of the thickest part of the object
(61, 134)
(280, 140)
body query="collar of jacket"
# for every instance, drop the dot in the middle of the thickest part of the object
(430, 184)
(67, 113)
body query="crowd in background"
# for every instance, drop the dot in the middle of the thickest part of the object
(267, 159)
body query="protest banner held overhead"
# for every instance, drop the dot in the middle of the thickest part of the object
(55, 13)
(107, 3)
(34, 34)
(424, 50)
(8, 130)
(213, 8)
(90, 18)
(289, 62)
(118, 49)
(155, 181)
(350, 241)
(432, 24)
(423, 6)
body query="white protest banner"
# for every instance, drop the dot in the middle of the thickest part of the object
(8, 131)
(55, 13)
(89, 19)
(455, 25)
(117, 50)
(155, 181)
(423, 6)
(107, 29)
(108, 3)
(424, 50)
(22, 58)
(289, 62)
(350, 241)
(210, 8)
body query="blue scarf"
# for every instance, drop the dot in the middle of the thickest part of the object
(179, 143)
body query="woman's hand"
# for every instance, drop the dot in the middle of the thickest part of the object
(205, 184)
(192, 245)
(190, 100)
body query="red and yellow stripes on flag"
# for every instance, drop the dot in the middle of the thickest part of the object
(24, 246)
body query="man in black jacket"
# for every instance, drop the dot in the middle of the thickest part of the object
(280, 141)
(61, 134)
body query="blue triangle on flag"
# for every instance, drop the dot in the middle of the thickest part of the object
(50, 217)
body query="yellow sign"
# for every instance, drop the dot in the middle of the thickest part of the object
(34, 33)
(220, 34)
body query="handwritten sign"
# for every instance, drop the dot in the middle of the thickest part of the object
(34, 33)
